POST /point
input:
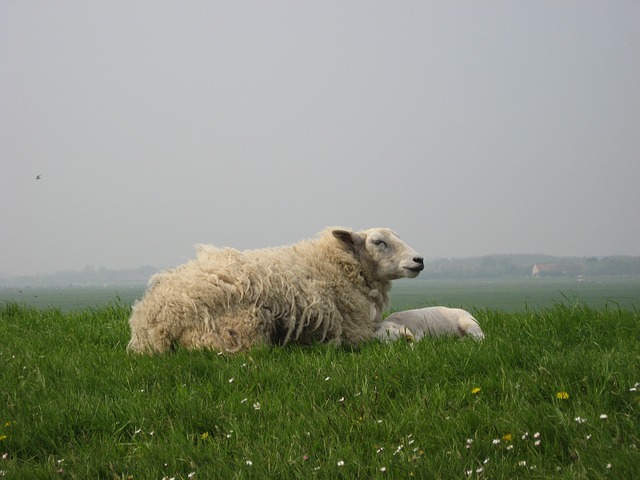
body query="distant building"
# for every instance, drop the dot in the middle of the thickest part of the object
(555, 270)
(540, 269)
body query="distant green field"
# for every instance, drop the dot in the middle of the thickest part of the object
(70, 299)
(508, 295)
(511, 295)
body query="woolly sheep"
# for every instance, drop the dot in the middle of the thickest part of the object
(430, 321)
(329, 289)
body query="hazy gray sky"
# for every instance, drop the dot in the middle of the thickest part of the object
(470, 128)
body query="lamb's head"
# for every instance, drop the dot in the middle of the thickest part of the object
(389, 257)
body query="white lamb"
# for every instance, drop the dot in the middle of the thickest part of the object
(430, 321)
(329, 289)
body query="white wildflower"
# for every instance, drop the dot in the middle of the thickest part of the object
(341, 463)
(256, 406)
(604, 416)
(249, 462)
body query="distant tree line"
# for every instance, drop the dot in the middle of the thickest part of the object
(88, 276)
(616, 265)
(494, 266)
(490, 266)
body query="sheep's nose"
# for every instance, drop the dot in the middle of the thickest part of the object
(419, 260)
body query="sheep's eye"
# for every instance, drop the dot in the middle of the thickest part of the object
(377, 241)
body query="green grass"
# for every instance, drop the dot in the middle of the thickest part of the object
(73, 404)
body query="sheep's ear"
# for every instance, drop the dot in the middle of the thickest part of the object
(351, 239)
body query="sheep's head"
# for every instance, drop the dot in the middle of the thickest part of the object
(390, 331)
(381, 248)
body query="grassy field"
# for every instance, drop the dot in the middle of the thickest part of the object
(551, 393)
(518, 294)
(72, 298)
(514, 294)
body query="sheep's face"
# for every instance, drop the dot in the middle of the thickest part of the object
(389, 256)
(390, 331)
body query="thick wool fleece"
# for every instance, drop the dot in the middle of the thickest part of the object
(314, 291)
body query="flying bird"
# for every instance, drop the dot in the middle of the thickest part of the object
(38, 177)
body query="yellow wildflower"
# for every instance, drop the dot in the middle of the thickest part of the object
(204, 436)
(562, 395)
(475, 390)
(507, 437)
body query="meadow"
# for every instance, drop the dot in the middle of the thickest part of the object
(553, 392)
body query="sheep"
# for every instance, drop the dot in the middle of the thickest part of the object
(329, 289)
(431, 321)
